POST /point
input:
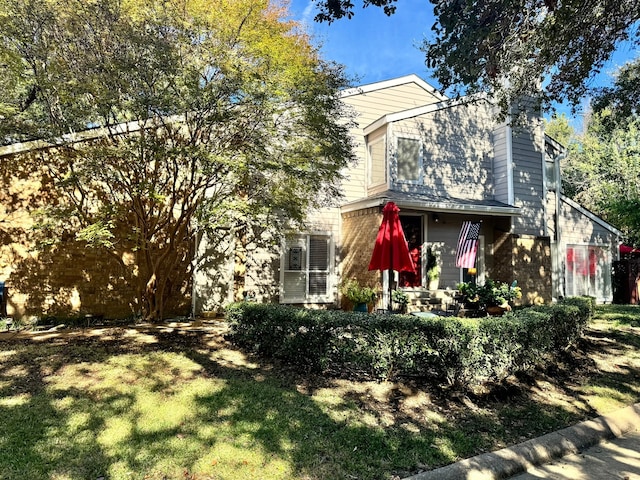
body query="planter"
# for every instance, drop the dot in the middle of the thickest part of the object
(434, 283)
(496, 311)
(360, 307)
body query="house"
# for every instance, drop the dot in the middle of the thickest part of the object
(442, 161)
(445, 161)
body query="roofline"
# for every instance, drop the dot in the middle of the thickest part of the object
(557, 145)
(393, 82)
(592, 216)
(433, 206)
(90, 134)
(423, 110)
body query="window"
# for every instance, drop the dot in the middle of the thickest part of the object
(377, 163)
(408, 159)
(588, 272)
(306, 269)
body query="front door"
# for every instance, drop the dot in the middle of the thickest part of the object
(412, 226)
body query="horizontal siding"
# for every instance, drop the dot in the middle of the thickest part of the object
(369, 107)
(500, 170)
(528, 181)
(457, 151)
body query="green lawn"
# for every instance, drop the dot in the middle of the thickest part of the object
(179, 403)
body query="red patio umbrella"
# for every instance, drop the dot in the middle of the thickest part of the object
(391, 251)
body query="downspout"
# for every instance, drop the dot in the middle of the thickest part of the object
(558, 230)
(509, 139)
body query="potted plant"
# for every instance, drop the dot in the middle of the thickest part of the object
(360, 296)
(401, 299)
(433, 269)
(496, 297)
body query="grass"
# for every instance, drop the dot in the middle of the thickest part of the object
(180, 403)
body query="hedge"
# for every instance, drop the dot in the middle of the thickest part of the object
(452, 350)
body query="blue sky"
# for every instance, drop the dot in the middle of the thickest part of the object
(375, 47)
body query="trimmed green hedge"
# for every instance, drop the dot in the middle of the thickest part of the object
(458, 351)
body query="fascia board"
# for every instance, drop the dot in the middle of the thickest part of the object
(394, 82)
(590, 215)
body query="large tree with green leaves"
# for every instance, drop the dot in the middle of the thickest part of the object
(518, 48)
(601, 172)
(214, 113)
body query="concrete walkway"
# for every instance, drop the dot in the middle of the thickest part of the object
(617, 459)
(604, 448)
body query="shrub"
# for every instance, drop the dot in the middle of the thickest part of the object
(450, 350)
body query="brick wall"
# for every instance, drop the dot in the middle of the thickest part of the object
(359, 230)
(60, 276)
(526, 259)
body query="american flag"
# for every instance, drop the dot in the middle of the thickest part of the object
(467, 245)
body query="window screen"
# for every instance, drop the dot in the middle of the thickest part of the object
(408, 158)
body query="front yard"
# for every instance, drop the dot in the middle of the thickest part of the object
(179, 402)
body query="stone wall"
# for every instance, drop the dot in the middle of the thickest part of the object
(526, 259)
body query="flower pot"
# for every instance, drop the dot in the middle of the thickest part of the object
(360, 307)
(496, 311)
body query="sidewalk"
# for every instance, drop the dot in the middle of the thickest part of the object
(574, 453)
(617, 459)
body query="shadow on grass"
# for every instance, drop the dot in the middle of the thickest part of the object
(172, 405)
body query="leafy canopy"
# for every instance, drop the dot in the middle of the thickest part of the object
(543, 48)
(218, 111)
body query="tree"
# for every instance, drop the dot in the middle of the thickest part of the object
(601, 172)
(530, 48)
(622, 99)
(559, 129)
(210, 113)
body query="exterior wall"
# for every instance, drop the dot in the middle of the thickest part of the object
(62, 278)
(528, 178)
(359, 230)
(577, 228)
(457, 152)
(370, 106)
(501, 170)
(526, 259)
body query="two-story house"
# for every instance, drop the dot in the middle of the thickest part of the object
(443, 162)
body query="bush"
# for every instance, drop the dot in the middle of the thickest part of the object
(450, 350)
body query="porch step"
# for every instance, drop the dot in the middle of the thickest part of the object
(423, 300)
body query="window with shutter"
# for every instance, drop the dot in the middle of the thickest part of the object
(307, 269)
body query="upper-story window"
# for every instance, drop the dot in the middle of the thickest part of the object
(377, 162)
(409, 160)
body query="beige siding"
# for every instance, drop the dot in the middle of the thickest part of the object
(457, 152)
(369, 107)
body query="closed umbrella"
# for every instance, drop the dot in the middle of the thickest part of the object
(391, 251)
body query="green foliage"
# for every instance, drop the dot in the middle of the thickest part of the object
(491, 293)
(513, 47)
(432, 267)
(559, 129)
(622, 98)
(357, 293)
(220, 115)
(463, 352)
(600, 172)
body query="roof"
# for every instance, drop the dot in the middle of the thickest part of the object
(394, 82)
(423, 110)
(592, 216)
(433, 203)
